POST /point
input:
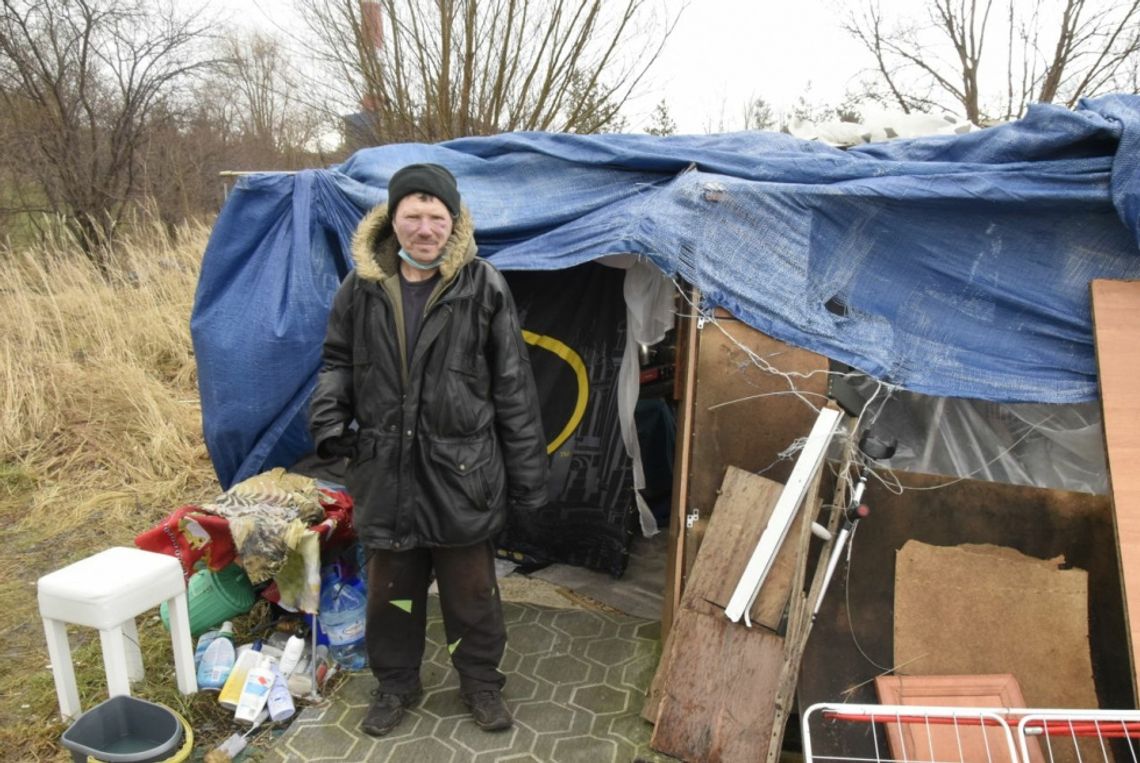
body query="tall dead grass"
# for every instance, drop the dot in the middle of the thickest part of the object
(99, 410)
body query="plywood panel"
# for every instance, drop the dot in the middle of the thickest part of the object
(1116, 320)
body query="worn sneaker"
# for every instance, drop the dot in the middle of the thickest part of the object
(488, 709)
(386, 711)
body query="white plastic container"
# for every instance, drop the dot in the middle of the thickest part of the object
(294, 648)
(280, 702)
(218, 659)
(256, 691)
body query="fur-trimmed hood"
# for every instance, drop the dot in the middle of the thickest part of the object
(375, 248)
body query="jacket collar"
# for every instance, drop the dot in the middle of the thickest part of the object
(374, 246)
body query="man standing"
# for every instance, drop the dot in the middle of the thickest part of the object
(425, 352)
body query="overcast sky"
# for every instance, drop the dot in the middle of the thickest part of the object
(721, 54)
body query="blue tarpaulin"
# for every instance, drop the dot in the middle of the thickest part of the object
(951, 265)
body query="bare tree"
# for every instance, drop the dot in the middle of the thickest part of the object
(263, 89)
(427, 70)
(1055, 51)
(85, 77)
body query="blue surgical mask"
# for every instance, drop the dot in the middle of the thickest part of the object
(419, 265)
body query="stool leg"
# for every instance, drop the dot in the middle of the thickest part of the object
(182, 644)
(59, 652)
(133, 651)
(115, 661)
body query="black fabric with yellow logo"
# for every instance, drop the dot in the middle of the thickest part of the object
(574, 325)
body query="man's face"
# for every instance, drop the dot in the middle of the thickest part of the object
(423, 225)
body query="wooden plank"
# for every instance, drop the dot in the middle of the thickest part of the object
(848, 644)
(742, 511)
(745, 502)
(1115, 307)
(717, 704)
(791, 499)
(675, 568)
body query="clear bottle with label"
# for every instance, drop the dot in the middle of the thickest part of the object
(218, 659)
(342, 618)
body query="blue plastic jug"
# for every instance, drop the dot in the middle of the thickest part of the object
(342, 619)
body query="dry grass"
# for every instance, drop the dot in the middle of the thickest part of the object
(100, 438)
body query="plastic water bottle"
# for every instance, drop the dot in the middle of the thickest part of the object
(204, 642)
(218, 660)
(342, 619)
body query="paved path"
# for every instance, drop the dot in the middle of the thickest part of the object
(576, 680)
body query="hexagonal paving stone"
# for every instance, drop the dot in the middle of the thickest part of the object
(426, 750)
(357, 690)
(600, 699)
(520, 687)
(584, 750)
(467, 736)
(562, 669)
(639, 673)
(323, 743)
(650, 631)
(611, 651)
(544, 717)
(434, 675)
(517, 613)
(578, 623)
(632, 728)
(530, 638)
(444, 703)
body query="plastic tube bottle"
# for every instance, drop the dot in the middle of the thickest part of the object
(256, 691)
(280, 702)
(231, 691)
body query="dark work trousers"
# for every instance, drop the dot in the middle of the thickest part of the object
(472, 615)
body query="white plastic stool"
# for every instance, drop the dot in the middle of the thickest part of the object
(107, 591)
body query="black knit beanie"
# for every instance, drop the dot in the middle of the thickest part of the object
(431, 179)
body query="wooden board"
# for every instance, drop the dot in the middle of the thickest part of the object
(741, 514)
(675, 569)
(1115, 308)
(743, 415)
(718, 702)
(1040, 523)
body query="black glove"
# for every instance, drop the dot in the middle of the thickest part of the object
(342, 446)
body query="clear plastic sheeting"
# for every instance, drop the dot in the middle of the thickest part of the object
(1059, 446)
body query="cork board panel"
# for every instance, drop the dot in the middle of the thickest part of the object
(849, 646)
(979, 608)
(1116, 331)
(745, 416)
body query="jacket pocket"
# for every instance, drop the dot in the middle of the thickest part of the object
(465, 470)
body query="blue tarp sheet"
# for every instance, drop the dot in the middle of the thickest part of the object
(962, 262)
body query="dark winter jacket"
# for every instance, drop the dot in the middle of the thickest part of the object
(450, 430)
